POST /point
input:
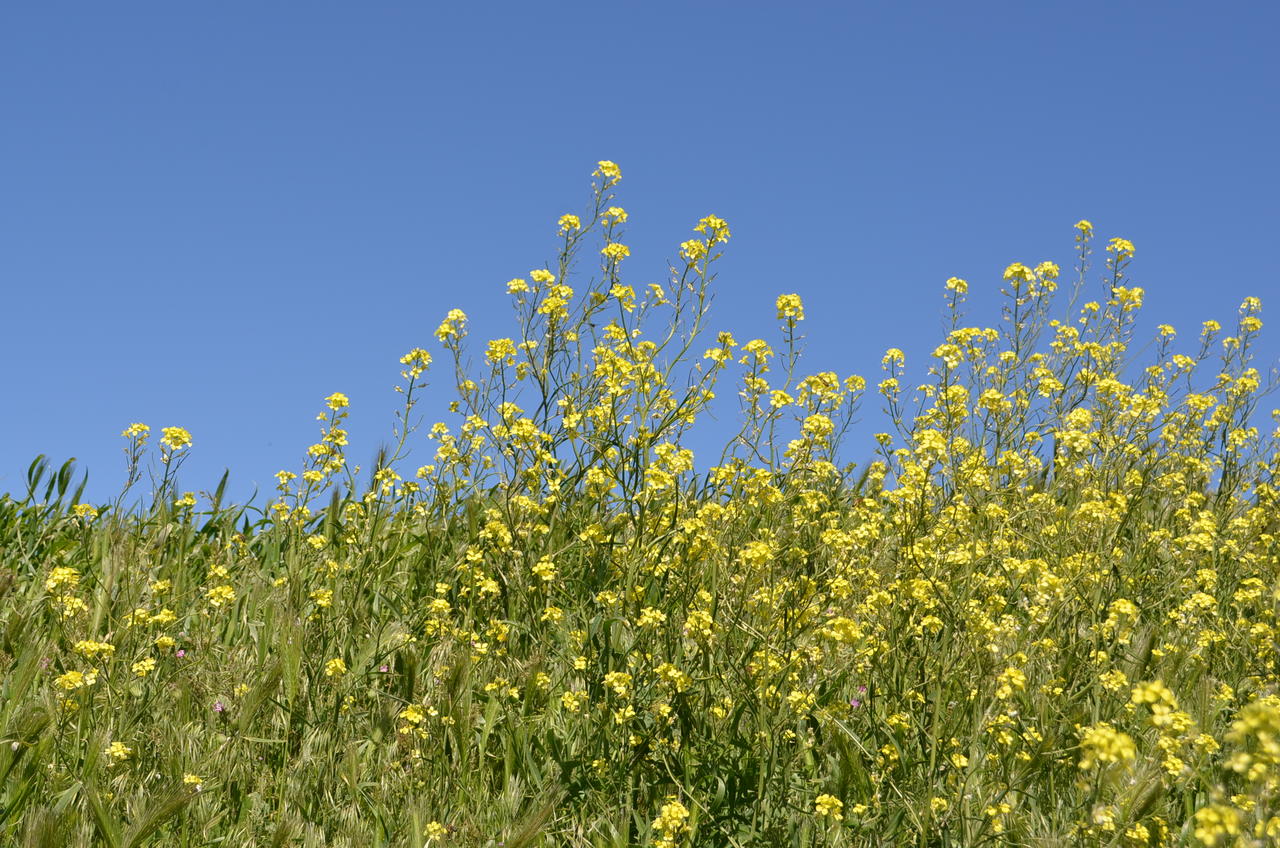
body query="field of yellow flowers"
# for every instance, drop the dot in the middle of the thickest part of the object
(1044, 615)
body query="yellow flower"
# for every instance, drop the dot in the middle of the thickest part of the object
(1010, 679)
(85, 511)
(569, 222)
(417, 360)
(435, 830)
(453, 326)
(650, 617)
(671, 818)
(1103, 744)
(616, 252)
(335, 667)
(175, 438)
(119, 751)
(89, 649)
(190, 779)
(611, 172)
(220, 596)
(337, 401)
(619, 682)
(144, 667)
(790, 308)
(1085, 228)
(693, 250)
(545, 570)
(138, 430)
(615, 215)
(1122, 248)
(1048, 270)
(62, 577)
(717, 229)
(1017, 271)
(73, 680)
(1216, 823)
(829, 806)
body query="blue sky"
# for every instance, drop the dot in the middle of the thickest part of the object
(214, 215)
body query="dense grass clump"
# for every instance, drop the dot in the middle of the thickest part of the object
(1044, 615)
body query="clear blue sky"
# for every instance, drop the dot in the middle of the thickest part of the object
(215, 214)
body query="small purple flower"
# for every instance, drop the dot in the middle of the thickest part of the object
(180, 654)
(219, 707)
(855, 703)
(384, 668)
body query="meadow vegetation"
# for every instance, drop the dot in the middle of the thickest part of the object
(1044, 614)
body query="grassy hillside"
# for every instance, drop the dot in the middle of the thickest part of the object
(1044, 615)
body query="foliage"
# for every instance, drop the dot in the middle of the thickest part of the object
(1045, 615)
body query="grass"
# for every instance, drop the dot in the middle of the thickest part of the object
(1044, 615)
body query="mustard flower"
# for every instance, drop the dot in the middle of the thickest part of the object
(62, 577)
(790, 308)
(616, 252)
(693, 250)
(73, 680)
(89, 649)
(175, 438)
(1103, 744)
(610, 171)
(119, 751)
(1017, 271)
(453, 326)
(1122, 248)
(220, 596)
(651, 617)
(1048, 270)
(829, 806)
(1216, 824)
(671, 821)
(545, 570)
(716, 229)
